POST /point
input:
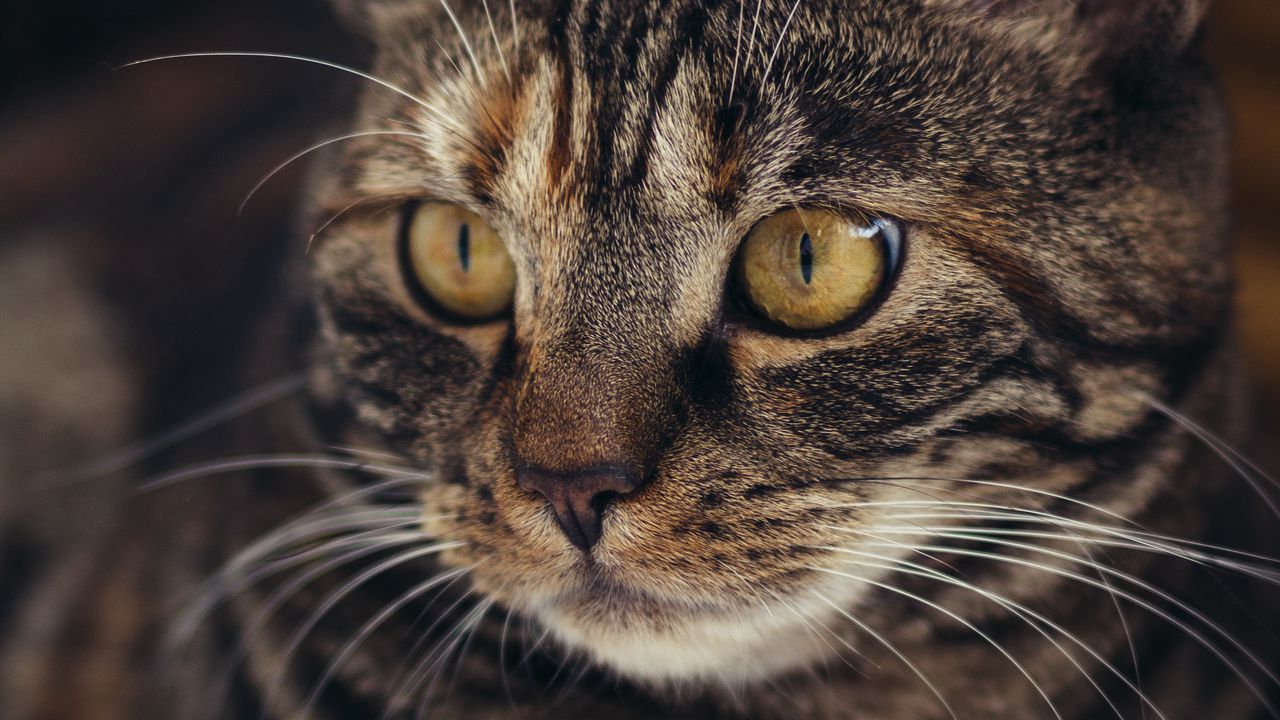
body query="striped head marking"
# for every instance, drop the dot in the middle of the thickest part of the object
(684, 304)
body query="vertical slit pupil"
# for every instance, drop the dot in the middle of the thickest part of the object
(464, 246)
(806, 258)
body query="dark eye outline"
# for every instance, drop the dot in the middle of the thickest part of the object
(740, 312)
(418, 292)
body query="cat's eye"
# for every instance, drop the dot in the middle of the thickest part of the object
(458, 262)
(808, 270)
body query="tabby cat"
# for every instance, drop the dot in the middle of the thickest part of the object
(727, 359)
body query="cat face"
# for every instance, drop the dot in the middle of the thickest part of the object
(634, 450)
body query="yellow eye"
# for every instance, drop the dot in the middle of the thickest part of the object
(459, 262)
(810, 269)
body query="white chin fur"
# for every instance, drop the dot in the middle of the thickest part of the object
(716, 649)
(734, 649)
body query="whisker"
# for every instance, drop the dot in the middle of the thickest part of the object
(365, 452)
(1238, 462)
(277, 599)
(737, 48)
(529, 652)
(336, 597)
(497, 44)
(864, 627)
(1139, 601)
(453, 639)
(1011, 512)
(220, 586)
(1188, 550)
(972, 628)
(462, 35)
(502, 655)
(755, 25)
(470, 635)
(808, 619)
(515, 25)
(782, 36)
(349, 499)
(266, 462)
(406, 674)
(370, 626)
(303, 533)
(311, 239)
(1083, 544)
(319, 146)
(285, 56)
(439, 118)
(230, 409)
(1022, 612)
(908, 480)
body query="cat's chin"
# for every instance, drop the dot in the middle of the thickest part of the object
(674, 644)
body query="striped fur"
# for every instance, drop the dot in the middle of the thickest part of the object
(817, 531)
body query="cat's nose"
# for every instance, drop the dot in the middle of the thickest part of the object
(579, 498)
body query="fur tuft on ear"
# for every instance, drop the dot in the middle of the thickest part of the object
(1105, 34)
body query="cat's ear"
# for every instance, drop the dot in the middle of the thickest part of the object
(1105, 33)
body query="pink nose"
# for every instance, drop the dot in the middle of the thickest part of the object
(579, 498)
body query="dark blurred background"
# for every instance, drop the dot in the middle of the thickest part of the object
(146, 166)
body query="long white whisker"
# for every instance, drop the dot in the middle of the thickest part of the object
(1137, 600)
(808, 620)
(304, 533)
(453, 639)
(319, 146)
(221, 587)
(737, 49)
(1083, 544)
(273, 603)
(1005, 512)
(1238, 462)
(781, 37)
(409, 673)
(755, 25)
(897, 653)
(231, 409)
(286, 56)
(366, 452)
(370, 626)
(1022, 612)
(349, 499)
(1006, 486)
(515, 25)
(972, 628)
(311, 239)
(502, 653)
(497, 44)
(337, 596)
(485, 606)
(462, 35)
(265, 462)
(1188, 550)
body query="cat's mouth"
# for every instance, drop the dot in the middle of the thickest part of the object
(606, 589)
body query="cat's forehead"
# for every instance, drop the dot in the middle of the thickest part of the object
(671, 108)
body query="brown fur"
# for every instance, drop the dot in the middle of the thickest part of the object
(1065, 261)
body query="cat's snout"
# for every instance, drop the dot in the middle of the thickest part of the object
(579, 498)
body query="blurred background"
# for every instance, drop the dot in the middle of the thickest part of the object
(143, 168)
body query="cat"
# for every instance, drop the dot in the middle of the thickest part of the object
(693, 359)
